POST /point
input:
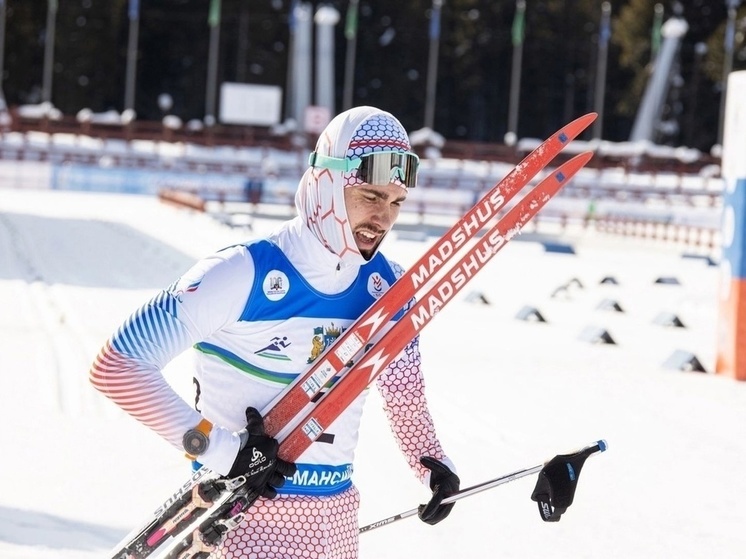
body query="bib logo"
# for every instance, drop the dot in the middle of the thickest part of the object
(377, 286)
(323, 338)
(276, 285)
(178, 289)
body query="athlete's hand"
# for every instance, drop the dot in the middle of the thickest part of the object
(443, 482)
(258, 461)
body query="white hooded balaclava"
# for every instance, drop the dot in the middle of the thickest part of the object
(320, 195)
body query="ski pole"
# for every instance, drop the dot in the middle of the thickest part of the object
(560, 483)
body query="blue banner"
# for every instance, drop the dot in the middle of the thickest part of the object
(435, 22)
(605, 32)
(734, 221)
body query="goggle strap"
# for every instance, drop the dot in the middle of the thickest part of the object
(345, 164)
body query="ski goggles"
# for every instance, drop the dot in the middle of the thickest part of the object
(378, 168)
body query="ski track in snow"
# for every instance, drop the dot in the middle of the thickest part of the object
(506, 394)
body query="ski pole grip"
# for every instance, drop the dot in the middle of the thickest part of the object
(555, 488)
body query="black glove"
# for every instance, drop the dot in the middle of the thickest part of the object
(443, 482)
(257, 460)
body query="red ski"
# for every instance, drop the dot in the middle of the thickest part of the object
(279, 414)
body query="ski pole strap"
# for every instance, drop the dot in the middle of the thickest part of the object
(555, 487)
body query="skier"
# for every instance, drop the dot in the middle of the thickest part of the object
(303, 285)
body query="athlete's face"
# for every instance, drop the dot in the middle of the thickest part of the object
(372, 211)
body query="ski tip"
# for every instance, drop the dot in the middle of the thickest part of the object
(602, 445)
(568, 169)
(585, 120)
(584, 157)
(572, 130)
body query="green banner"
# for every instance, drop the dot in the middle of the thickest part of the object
(519, 23)
(214, 18)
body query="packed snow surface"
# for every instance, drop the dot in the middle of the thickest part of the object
(506, 394)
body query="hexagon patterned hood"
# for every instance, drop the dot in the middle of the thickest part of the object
(320, 195)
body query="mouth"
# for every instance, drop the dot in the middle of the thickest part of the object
(367, 240)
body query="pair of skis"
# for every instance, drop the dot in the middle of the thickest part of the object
(194, 521)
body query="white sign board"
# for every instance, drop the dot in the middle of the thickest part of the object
(734, 130)
(242, 103)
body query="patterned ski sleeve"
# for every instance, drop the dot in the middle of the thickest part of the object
(128, 367)
(402, 387)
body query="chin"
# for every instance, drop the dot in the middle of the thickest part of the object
(369, 253)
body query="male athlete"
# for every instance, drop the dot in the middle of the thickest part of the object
(255, 315)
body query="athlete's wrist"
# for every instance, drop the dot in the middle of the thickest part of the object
(222, 450)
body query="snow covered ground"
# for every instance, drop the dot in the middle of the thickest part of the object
(506, 394)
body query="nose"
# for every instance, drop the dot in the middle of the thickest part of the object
(386, 215)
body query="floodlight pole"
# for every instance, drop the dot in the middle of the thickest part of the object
(212, 66)
(2, 44)
(730, 39)
(432, 67)
(46, 88)
(134, 28)
(351, 36)
(603, 51)
(516, 70)
(325, 18)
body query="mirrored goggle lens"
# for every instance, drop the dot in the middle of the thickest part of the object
(382, 168)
